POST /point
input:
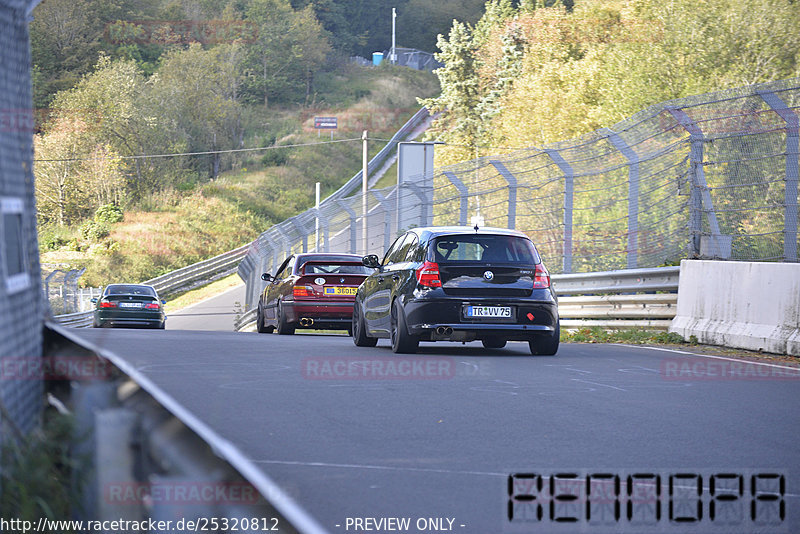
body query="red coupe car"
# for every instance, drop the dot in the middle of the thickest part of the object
(311, 291)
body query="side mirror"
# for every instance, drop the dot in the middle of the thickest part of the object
(94, 300)
(371, 261)
(163, 301)
(266, 277)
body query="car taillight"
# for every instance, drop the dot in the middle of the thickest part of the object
(152, 306)
(428, 275)
(108, 304)
(541, 278)
(303, 291)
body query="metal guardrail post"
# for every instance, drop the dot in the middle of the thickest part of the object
(324, 223)
(302, 231)
(633, 197)
(287, 243)
(423, 200)
(790, 186)
(386, 206)
(353, 229)
(463, 196)
(569, 192)
(700, 197)
(512, 192)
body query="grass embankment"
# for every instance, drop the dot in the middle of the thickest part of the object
(201, 218)
(635, 337)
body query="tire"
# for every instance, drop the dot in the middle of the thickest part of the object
(285, 328)
(359, 330)
(162, 325)
(402, 341)
(546, 345)
(260, 326)
(493, 343)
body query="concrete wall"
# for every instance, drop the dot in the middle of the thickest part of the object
(747, 305)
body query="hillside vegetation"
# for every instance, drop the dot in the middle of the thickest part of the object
(533, 72)
(121, 87)
(134, 231)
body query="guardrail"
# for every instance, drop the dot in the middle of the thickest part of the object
(201, 272)
(122, 413)
(246, 320)
(614, 299)
(609, 299)
(75, 320)
(182, 279)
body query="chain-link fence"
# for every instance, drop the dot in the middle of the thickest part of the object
(62, 292)
(709, 176)
(413, 58)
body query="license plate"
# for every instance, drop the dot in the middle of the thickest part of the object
(493, 312)
(130, 304)
(336, 290)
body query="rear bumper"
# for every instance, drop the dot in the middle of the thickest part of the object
(530, 318)
(121, 318)
(325, 314)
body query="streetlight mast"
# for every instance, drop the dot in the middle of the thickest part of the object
(393, 55)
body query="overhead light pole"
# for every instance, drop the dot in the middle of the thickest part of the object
(364, 181)
(393, 55)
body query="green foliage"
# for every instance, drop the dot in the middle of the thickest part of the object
(600, 335)
(94, 230)
(109, 214)
(36, 474)
(53, 237)
(546, 72)
(274, 158)
(420, 22)
(290, 47)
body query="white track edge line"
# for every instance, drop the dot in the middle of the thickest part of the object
(738, 360)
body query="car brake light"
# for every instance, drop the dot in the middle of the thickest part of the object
(428, 275)
(303, 291)
(152, 306)
(108, 304)
(541, 278)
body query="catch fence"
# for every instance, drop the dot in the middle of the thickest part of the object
(708, 176)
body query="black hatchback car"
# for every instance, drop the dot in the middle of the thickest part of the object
(129, 305)
(458, 284)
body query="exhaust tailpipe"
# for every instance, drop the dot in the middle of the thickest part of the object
(444, 331)
(306, 321)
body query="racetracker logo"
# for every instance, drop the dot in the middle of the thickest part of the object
(184, 492)
(55, 368)
(413, 368)
(684, 369)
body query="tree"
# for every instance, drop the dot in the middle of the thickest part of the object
(290, 47)
(458, 102)
(420, 21)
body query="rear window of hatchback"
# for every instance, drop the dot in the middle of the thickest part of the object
(483, 248)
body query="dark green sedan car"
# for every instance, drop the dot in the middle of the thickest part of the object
(129, 305)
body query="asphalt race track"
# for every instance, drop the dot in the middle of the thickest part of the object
(215, 313)
(356, 433)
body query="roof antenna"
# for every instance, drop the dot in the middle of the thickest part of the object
(476, 228)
